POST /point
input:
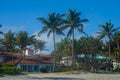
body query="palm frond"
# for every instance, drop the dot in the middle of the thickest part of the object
(44, 29)
(49, 33)
(69, 33)
(59, 32)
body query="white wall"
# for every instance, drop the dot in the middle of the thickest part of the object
(1, 59)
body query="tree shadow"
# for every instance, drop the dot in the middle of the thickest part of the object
(1, 75)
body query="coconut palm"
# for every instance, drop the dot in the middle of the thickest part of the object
(39, 45)
(108, 30)
(8, 41)
(22, 40)
(74, 22)
(52, 25)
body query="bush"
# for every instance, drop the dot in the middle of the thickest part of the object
(117, 69)
(9, 69)
(44, 70)
(66, 69)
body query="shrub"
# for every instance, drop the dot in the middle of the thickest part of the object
(44, 70)
(9, 69)
(117, 69)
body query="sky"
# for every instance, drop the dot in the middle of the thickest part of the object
(20, 15)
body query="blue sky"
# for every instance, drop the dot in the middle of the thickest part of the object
(21, 14)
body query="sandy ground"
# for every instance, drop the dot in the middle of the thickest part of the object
(53, 76)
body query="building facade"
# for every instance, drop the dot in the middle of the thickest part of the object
(28, 63)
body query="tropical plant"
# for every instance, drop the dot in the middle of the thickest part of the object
(74, 22)
(108, 30)
(39, 45)
(8, 41)
(52, 25)
(116, 46)
(22, 40)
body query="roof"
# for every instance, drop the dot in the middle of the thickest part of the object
(28, 61)
(31, 59)
(98, 56)
(21, 54)
(11, 54)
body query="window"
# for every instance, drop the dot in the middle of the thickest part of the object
(24, 67)
(36, 68)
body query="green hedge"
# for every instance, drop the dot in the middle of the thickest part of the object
(9, 69)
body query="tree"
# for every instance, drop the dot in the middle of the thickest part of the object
(74, 21)
(8, 41)
(22, 40)
(116, 46)
(52, 25)
(39, 45)
(108, 30)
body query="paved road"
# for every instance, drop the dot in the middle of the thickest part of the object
(51, 76)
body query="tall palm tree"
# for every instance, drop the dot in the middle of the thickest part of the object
(108, 30)
(8, 42)
(52, 25)
(74, 22)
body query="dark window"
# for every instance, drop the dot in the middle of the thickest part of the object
(24, 67)
(36, 68)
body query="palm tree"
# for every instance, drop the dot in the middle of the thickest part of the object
(116, 46)
(22, 40)
(108, 30)
(8, 41)
(73, 22)
(52, 25)
(39, 45)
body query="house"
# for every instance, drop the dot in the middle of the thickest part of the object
(102, 62)
(28, 63)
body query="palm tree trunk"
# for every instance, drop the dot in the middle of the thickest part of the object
(54, 65)
(117, 60)
(73, 48)
(109, 52)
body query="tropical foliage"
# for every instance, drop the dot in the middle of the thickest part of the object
(108, 30)
(73, 22)
(39, 45)
(52, 25)
(106, 43)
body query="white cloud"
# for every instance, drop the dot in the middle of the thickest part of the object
(14, 28)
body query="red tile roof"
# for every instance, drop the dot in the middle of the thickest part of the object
(14, 54)
(21, 54)
(28, 61)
